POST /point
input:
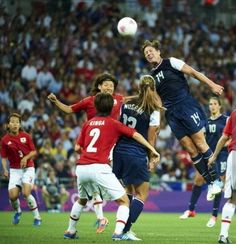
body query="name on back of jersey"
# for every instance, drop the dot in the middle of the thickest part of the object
(97, 122)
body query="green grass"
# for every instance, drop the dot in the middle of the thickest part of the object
(151, 228)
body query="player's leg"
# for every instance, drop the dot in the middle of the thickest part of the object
(32, 204)
(27, 185)
(102, 221)
(136, 207)
(196, 192)
(14, 189)
(202, 146)
(196, 157)
(221, 163)
(230, 193)
(75, 213)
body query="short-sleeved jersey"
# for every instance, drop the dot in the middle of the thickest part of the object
(98, 137)
(87, 105)
(214, 131)
(230, 130)
(15, 147)
(140, 121)
(171, 84)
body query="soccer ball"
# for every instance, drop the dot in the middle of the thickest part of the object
(127, 26)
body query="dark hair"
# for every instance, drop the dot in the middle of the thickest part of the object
(100, 79)
(13, 115)
(103, 103)
(155, 43)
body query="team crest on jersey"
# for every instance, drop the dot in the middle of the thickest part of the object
(115, 101)
(9, 143)
(23, 139)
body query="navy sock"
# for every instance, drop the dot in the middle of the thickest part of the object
(202, 168)
(196, 192)
(212, 170)
(136, 208)
(130, 196)
(216, 204)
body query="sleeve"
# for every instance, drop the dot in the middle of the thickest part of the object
(176, 63)
(81, 105)
(125, 130)
(228, 127)
(155, 118)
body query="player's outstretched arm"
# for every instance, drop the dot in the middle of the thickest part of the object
(220, 144)
(139, 138)
(215, 88)
(65, 108)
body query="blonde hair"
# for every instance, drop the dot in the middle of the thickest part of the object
(148, 100)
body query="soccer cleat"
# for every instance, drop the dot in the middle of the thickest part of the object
(101, 225)
(223, 239)
(37, 222)
(68, 235)
(129, 236)
(212, 221)
(16, 218)
(188, 214)
(210, 195)
(217, 187)
(117, 237)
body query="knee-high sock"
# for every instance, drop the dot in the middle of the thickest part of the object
(16, 205)
(136, 208)
(121, 218)
(74, 216)
(212, 170)
(216, 204)
(33, 206)
(227, 214)
(202, 168)
(97, 204)
(196, 192)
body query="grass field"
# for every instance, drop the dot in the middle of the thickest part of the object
(151, 228)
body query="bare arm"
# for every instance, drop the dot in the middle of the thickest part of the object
(139, 138)
(215, 88)
(27, 157)
(220, 144)
(4, 165)
(65, 108)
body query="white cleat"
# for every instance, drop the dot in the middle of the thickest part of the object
(187, 214)
(210, 195)
(129, 236)
(212, 221)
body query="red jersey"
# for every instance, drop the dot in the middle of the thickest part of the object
(87, 105)
(15, 147)
(230, 130)
(97, 138)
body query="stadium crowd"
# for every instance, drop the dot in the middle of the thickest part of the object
(60, 48)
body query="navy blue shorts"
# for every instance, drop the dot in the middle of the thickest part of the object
(130, 168)
(186, 118)
(221, 163)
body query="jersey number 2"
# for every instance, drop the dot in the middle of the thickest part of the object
(94, 133)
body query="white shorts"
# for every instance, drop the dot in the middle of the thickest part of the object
(98, 178)
(20, 176)
(230, 180)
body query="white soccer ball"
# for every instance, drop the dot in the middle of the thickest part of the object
(127, 26)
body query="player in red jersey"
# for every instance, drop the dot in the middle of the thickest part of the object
(106, 83)
(230, 181)
(93, 170)
(18, 148)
